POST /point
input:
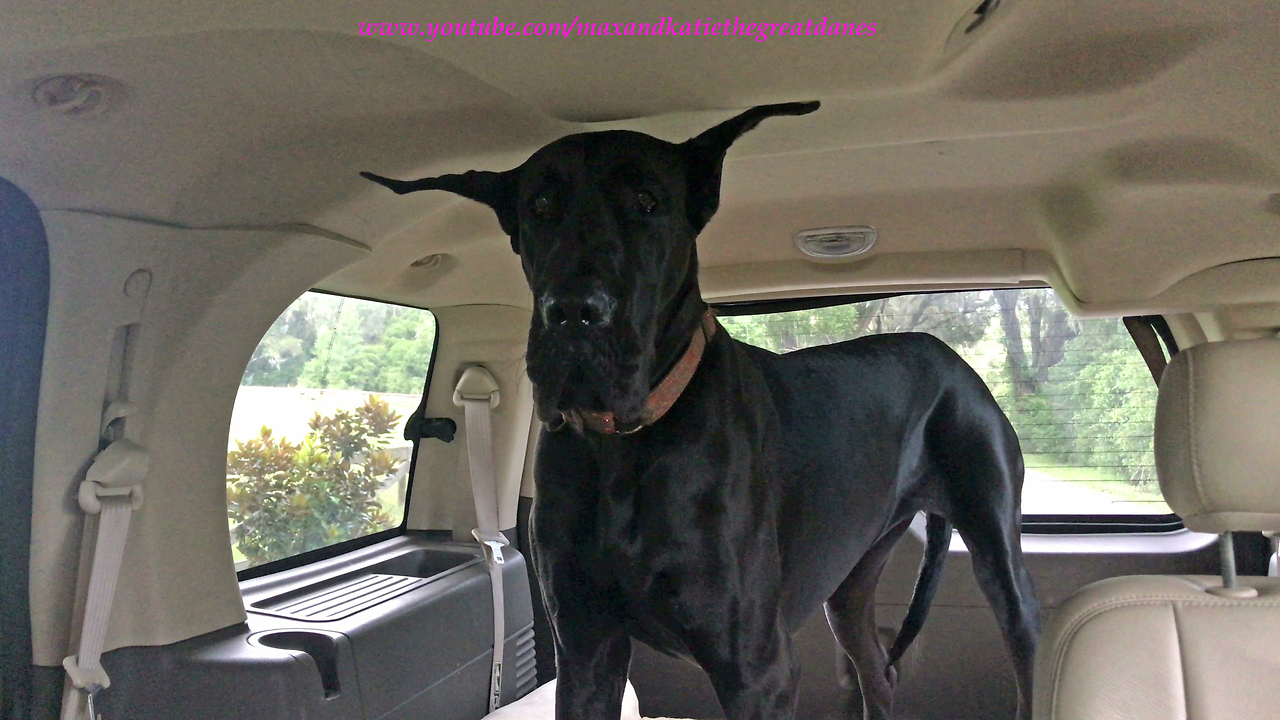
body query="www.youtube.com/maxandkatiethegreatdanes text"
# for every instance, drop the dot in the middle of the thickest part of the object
(664, 27)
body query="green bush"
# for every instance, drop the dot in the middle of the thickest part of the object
(286, 498)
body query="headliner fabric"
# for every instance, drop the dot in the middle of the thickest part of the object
(24, 302)
(1076, 133)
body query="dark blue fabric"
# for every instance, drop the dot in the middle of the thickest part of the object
(24, 305)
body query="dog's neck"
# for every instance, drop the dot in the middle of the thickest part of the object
(675, 329)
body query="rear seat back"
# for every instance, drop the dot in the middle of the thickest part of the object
(1186, 647)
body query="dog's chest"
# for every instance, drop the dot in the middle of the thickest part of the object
(657, 543)
(639, 533)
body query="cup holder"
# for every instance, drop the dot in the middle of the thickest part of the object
(426, 563)
(321, 647)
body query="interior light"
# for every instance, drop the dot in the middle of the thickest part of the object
(836, 242)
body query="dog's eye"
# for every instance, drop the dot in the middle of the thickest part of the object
(542, 207)
(646, 201)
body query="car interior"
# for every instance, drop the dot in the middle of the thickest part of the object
(254, 406)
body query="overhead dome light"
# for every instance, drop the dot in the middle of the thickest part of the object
(836, 243)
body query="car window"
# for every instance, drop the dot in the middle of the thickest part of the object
(316, 454)
(1077, 391)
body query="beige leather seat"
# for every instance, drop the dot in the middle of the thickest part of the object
(1184, 647)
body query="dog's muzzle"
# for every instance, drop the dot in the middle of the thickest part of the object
(660, 399)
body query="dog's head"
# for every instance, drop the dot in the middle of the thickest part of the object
(605, 224)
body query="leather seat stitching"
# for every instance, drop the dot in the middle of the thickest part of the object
(1068, 635)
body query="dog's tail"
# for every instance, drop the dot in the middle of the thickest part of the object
(937, 541)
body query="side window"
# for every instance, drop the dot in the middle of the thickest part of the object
(316, 454)
(1077, 391)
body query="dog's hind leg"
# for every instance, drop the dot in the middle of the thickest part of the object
(996, 553)
(986, 509)
(851, 612)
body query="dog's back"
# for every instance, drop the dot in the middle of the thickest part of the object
(868, 431)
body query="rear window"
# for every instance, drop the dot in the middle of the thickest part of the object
(316, 454)
(1077, 391)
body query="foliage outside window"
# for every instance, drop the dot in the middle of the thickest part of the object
(1078, 393)
(316, 453)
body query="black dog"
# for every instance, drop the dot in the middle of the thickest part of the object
(711, 527)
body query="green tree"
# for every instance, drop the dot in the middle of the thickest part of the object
(1048, 330)
(1106, 392)
(959, 319)
(285, 349)
(287, 498)
(1035, 331)
(372, 346)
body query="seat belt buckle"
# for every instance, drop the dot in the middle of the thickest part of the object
(494, 550)
(492, 545)
(116, 472)
(89, 702)
(87, 680)
(476, 385)
(92, 494)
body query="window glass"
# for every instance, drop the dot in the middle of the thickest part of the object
(316, 453)
(1077, 391)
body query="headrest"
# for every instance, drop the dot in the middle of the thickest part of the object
(1217, 436)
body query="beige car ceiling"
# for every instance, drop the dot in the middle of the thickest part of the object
(1124, 151)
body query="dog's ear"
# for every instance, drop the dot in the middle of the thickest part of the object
(495, 189)
(706, 153)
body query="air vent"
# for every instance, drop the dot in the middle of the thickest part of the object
(526, 663)
(836, 243)
(340, 601)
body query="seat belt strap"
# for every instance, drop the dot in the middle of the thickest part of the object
(1148, 342)
(112, 490)
(477, 394)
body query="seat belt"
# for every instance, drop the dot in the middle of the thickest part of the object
(1144, 336)
(477, 395)
(112, 491)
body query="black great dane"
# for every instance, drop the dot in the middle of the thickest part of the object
(706, 496)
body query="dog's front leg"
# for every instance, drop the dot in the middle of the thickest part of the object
(737, 632)
(754, 672)
(592, 649)
(592, 659)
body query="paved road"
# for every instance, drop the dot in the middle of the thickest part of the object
(1045, 494)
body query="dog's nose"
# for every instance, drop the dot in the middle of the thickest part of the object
(593, 310)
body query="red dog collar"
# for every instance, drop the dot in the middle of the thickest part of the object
(662, 397)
